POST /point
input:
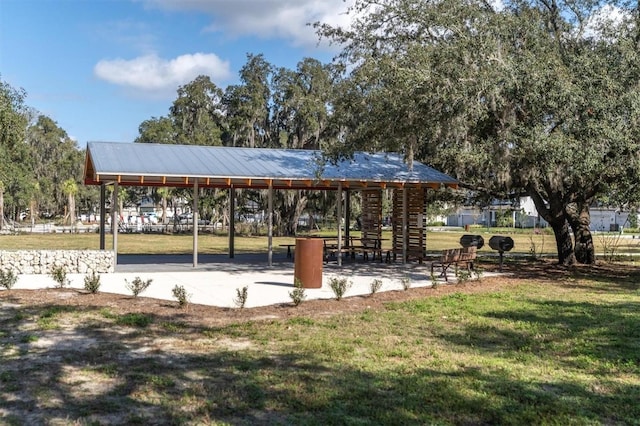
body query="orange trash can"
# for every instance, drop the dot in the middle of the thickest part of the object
(308, 262)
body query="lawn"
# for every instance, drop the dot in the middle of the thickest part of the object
(548, 346)
(525, 242)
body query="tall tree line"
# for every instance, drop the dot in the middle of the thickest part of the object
(269, 108)
(41, 167)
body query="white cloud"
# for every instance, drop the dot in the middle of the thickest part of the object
(286, 19)
(606, 16)
(152, 73)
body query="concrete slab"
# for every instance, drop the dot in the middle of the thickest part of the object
(215, 281)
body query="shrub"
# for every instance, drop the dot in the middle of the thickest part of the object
(434, 281)
(241, 296)
(536, 250)
(59, 275)
(610, 246)
(8, 279)
(297, 295)
(375, 286)
(137, 286)
(339, 286)
(92, 283)
(181, 295)
(463, 276)
(406, 283)
(478, 272)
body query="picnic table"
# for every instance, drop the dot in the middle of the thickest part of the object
(355, 245)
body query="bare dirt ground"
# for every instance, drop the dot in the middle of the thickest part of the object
(203, 315)
(87, 368)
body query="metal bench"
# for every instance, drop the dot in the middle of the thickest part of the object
(454, 257)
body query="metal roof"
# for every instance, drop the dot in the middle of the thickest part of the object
(140, 164)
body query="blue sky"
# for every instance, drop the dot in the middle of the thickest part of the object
(101, 67)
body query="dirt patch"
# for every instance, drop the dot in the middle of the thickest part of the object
(98, 355)
(195, 314)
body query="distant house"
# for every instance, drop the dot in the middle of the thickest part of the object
(609, 219)
(147, 205)
(523, 214)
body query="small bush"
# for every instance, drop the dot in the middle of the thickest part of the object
(59, 275)
(297, 295)
(478, 272)
(434, 281)
(375, 286)
(406, 283)
(137, 286)
(241, 296)
(181, 295)
(610, 246)
(536, 250)
(339, 286)
(92, 283)
(8, 279)
(463, 276)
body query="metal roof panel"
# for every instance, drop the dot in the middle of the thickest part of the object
(139, 159)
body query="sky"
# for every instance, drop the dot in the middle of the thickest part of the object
(99, 68)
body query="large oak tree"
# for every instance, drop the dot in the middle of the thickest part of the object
(535, 97)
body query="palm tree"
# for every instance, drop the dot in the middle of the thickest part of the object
(70, 188)
(1, 205)
(164, 193)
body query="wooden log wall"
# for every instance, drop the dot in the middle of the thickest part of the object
(372, 213)
(416, 225)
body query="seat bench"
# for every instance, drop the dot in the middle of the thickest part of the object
(454, 257)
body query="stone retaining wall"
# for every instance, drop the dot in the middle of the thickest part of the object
(43, 261)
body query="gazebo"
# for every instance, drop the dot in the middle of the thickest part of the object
(192, 166)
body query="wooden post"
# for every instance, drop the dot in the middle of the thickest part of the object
(339, 214)
(232, 221)
(114, 223)
(270, 223)
(195, 222)
(103, 213)
(405, 221)
(347, 214)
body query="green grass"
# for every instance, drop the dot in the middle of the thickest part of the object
(538, 352)
(218, 244)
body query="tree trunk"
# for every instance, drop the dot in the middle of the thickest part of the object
(163, 219)
(300, 206)
(564, 244)
(72, 210)
(579, 218)
(1, 209)
(554, 213)
(290, 208)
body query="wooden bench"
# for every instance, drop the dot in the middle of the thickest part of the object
(331, 249)
(369, 245)
(458, 256)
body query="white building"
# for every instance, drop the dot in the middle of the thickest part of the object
(525, 215)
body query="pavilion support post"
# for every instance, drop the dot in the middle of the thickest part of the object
(232, 221)
(347, 215)
(195, 222)
(405, 222)
(114, 223)
(339, 217)
(270, 223)
(103, 219)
